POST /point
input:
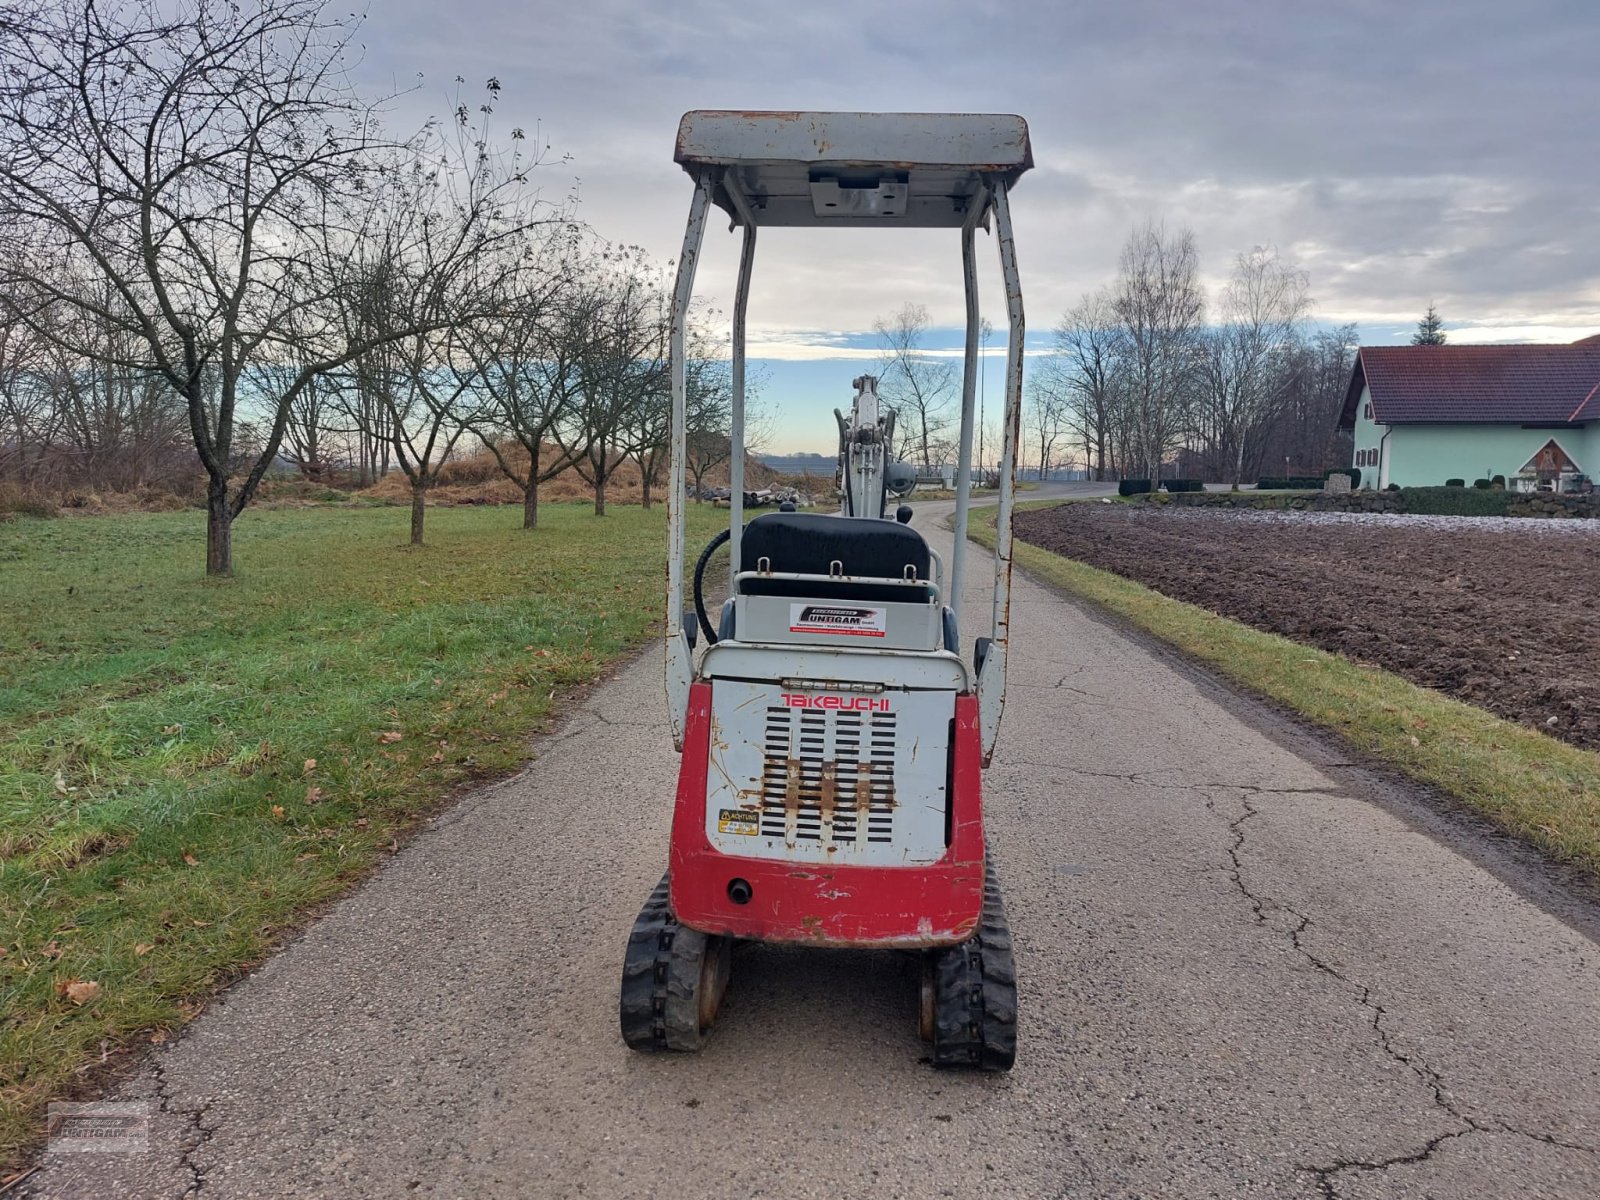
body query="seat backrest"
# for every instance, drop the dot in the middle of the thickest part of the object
(810, 543)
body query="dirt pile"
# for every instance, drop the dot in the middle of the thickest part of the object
(1501, 619)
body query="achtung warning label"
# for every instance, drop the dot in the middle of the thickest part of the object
(737, 820)
(838, 620)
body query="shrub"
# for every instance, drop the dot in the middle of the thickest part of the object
(1454, 501)
(1133, 487)
(1498, 481)
(1184, 485)
(1481, 484)
(16, 500)
(1393, 487)
(1455, 483)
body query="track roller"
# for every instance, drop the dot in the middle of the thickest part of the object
(673, 979)
(969, 993)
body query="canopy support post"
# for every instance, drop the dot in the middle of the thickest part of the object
(680, 664)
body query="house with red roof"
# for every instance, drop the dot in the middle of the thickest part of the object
(1422, 415)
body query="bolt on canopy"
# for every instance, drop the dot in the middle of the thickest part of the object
(844, 170)
(917, 170)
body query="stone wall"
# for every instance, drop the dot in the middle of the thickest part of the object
(1548, 504)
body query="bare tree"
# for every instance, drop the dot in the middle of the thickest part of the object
(1045, 420)
(920, 388)
(1306, 434)
(708, 409)
(29, 407)
(1159, 306)
(526, 356)
(202, 161)
(1247, 367)
(622, 364)
(1085, 372)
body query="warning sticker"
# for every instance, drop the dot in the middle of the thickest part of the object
(737, 820)
(838, 620)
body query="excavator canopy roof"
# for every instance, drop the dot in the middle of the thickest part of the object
(923, 170)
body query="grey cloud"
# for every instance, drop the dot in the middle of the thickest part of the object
(1428, 150)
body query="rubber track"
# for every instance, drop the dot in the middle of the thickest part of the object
(645, 970)
(975, 992)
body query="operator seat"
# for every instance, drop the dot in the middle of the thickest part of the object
(811, 543)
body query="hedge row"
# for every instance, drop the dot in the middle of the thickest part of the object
(1281, 483)
(1133, 487)
(1455, 501)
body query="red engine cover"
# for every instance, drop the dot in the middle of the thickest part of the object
(819, 904)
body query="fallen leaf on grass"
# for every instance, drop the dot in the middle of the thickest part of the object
(61, 784)
(191, 860)
(1416, 741)
(313, 794)
(52, 949)
(306, 857)
(79, 991)
(143, 948)
(200, 924)
(311, 765)
(158, 1037)
(277, 811)
(362, 823)
(390, 736)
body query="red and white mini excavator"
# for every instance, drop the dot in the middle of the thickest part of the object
(833, 735)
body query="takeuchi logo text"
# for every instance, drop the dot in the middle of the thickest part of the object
(844, 703)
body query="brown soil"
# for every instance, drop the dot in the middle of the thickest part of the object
(1501, 619)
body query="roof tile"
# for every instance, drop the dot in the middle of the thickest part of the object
(1478, 384)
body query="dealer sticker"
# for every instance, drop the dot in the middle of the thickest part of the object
(838, 620)
(738, 820)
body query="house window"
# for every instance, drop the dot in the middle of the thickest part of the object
(1367, 412)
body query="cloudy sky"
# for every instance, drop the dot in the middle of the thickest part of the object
(1399, 152)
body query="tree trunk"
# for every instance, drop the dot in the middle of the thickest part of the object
(644, 487)
(530, 502)
(219, 530)
(418, 492)
(599, 495)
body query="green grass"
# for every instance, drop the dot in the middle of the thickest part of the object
(1534, 787)
(186, 765)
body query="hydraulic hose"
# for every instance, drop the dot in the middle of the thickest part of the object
(699, 585)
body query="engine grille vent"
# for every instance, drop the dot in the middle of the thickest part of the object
(828, 776)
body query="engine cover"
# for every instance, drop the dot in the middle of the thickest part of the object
(829, 776)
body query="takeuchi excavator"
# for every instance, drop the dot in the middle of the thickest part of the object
(833, 732)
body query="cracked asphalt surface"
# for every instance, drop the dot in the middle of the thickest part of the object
(1249, 968)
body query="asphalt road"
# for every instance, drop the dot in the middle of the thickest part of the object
(1248, 969)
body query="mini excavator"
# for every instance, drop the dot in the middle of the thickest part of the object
(833, 734)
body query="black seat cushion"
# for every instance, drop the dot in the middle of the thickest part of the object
(810, 543)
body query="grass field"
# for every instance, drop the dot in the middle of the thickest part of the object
(187, 765)
(1538, 789)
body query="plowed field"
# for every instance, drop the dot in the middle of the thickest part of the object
(1505, 618)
